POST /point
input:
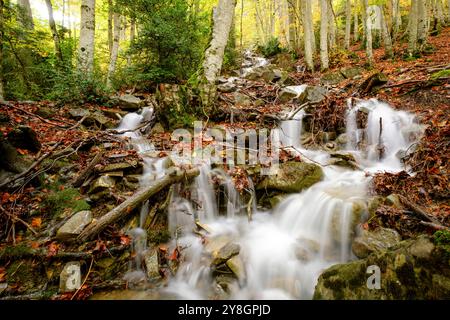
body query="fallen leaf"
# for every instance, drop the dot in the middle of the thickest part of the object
(36, 222)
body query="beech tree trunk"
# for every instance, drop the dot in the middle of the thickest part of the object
(369, 50)
(422, 24)
(115, 48)
(386, 35)
(87, 36)
(25, 15)
(413, 23)
(324, 34)
(308, 30)
(332, 33)
(356, 22)
(132, 37)
(2, 94)
(51, 21)
(348, 23)
(110, 26)
(212, 65)
(396, 18)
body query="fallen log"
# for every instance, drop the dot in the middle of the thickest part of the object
(124, 209)
(434, 226)
(87, 172)
(419, 211)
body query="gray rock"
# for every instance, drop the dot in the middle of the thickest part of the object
(45, 112)
(352, 72)
(332, 78)
(10, 159)
(293, 177)
(102, 183)
(75, 225)
(226, 87)
(78, 113)
(287, 94)
(70, 277)
(226, 252)
(313, 94)
(24, 137)
(130, 103)
(374, 241)
(237, 267)
(152, 264)
(422, 248)
(157, 129)
(394, 201)
(121, 166)
(241, 99)
(342, 139)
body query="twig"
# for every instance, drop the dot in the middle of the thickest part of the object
(34, 115)
(434, 226)
(87, 275)
(87, 172)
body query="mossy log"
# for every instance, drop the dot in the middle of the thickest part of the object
(124, 209)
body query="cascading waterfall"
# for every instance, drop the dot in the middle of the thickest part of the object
(284, 251)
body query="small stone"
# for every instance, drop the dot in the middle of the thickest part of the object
(70, 278)
(157, 129)
(45, 112)
(79, 113)
(237, 267)
(313, 94)
(227, 87)
(394, 201)
(226, 252)
(332, 78)
(130, 103)
(241, 99)
(75, 225)
(152, 264)
(104, 182)
(287, 94)
(121, 166)
(422, 248)
(351, 73)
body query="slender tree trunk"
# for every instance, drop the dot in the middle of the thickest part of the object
(51, 21)
(212, 65)
(413, 23)
(369, 51)
(69, 18)
(386, 35)
(241, 39)
(324, 34)
(440, 12)
(356, 22)
(132, 37)
(332, 33)
(87, 36)
(115, 48)
(348, 23)
(308, 30)
(292, 26)
(2, 93)
(110, 26)
(25, 14)
(363, 7)
(422, 24)
(396, 18)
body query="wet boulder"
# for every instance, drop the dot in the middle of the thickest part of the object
(412, 269)
(332, 78)
(75, 225)
(70, 278)
(102, 183)
(374, 241)
(313, 94)
(152, 264)
(374, 81)
(129, 102)
(287, 94)
(346, 160)
(292, 177)
(225, 253)
(24, 137)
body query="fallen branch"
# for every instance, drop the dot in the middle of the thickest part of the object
(33, 115)
(142, 195)
(434, 226)
(87, 172)
(419, 211)
(34, 165)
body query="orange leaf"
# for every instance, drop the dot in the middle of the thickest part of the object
(5, 197)
(52, 249)
(124, 240)
(36, 222)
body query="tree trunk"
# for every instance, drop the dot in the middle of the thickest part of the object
(110, 26)
(324, 34)
(51, 21)
(413, 22)
(87, 37)
(332, 33)
(440, 12)
(115, 48)
(348, 23)
(386, 35)
(356, 22)
(369, 51)
(132, 37)
(396, 18)
(363, 8)
(25, 14)
(2, 94)
(134, 201)
(212, 65)
(308, 30)
(422, 24)
(292, 26)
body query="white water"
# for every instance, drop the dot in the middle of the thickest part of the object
(283, 251)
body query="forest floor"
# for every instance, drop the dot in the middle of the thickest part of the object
(67, 144)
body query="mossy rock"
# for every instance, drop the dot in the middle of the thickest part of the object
(293, 177)
(66, 200)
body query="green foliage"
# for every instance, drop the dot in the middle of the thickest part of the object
(158, 236)
(440, 74)
(69, 198)
(271, 48)
(171, 40)
(442, 240)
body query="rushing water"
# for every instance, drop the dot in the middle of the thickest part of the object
(283, 251)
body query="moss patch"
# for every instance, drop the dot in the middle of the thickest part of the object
(67, 199)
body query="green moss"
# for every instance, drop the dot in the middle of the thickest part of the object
(442, 241)
(70, 198)
(16, 252)
(158, 236)
(440, 74)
